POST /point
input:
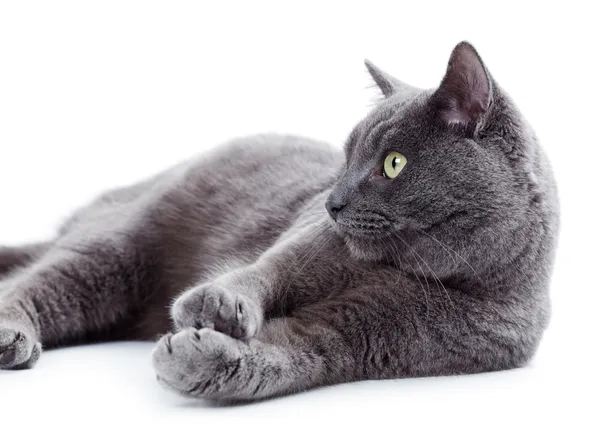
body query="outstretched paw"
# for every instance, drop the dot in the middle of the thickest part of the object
(199, 363)
(212, 306)
(18, 350)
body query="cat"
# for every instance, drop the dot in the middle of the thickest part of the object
(276, 264)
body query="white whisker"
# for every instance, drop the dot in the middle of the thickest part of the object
(426, 292)
(436, 278)
(448, 249)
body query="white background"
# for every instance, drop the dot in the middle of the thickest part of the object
(98, 94)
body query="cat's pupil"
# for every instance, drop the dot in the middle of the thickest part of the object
(394, 162)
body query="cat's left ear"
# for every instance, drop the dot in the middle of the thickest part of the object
(465, 94)
(388, 84)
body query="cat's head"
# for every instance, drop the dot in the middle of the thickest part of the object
(439, 177)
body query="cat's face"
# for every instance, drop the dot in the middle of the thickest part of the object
(458, 171)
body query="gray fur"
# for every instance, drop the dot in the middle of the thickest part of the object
(443, 270)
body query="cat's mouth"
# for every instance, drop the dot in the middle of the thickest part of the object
(360, 226)
(362, 237)
(368, 234)
(368, 241)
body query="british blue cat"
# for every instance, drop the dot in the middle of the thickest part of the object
(277, 264)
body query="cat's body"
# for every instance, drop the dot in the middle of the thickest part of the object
(449, 275)
(220, 210)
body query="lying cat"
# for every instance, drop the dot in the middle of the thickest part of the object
(427, 250)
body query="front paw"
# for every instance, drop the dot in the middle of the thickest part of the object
(215, 307)
(18, 349)
(199, 363)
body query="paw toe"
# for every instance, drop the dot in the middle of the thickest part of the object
(191, 361)
(18, 350)
(214, 307)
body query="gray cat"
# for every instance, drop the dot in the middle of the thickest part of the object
(286, 265)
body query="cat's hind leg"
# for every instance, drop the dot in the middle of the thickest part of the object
(74, 290)
(12, 258)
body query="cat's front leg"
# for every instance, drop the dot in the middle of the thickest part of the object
(227, 309)
(295, 271)
(233, 303)
(289, 356)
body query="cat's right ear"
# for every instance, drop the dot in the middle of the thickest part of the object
(465, 94)
(387, 83)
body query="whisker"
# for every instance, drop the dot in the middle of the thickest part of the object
(436, 278)
(306, 256)
(417, 262)
(425, 292)
(448, 249)
(311, 258)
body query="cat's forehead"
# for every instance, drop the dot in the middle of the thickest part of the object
(395, 109)
(391, 119)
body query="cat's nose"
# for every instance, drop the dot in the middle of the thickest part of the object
(334, 206)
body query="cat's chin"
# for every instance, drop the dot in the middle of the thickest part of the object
(365, 248)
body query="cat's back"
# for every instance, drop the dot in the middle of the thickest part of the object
(265, 164)
(251, 181)
(241, 182)
(257, 172)
(268, 158)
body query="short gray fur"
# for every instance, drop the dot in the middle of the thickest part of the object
(443, 270)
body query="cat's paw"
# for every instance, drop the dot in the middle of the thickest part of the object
(18, 349)
(199, 363)
(212, 306)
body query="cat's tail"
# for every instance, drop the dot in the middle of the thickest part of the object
(12, 258)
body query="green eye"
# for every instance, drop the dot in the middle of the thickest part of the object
(393, 165)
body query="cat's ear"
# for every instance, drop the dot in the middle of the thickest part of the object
(466, 90)
(388, 84)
